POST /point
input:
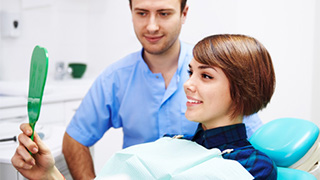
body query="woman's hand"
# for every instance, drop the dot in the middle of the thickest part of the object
(39, 165)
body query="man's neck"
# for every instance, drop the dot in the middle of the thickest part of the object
(165, 63)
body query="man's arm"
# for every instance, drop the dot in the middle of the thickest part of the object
(78, 158)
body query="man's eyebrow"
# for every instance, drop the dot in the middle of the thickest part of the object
(139, 9)
(166, 10)
(160, 10)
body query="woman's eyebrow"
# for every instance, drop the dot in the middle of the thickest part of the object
(206, 67)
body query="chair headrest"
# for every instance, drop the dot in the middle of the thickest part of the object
(285, 140)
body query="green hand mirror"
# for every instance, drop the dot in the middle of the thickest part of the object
(37, 80)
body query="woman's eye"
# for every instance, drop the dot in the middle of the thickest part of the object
(207, 76)
(189, 72)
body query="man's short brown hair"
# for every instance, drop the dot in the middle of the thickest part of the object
(183, 4)
(247, 65)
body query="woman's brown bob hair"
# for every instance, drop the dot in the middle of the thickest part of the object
(247, 65)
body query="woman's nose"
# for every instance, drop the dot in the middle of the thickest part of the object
(189, 86)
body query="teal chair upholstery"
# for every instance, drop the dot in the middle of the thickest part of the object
(291, 143)
(293, 174)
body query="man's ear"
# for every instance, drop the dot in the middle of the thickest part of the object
(184, 13)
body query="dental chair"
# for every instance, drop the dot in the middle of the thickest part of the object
(293, 144)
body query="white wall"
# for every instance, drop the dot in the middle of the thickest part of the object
(60, 25)
(315, 115)
(100, 32)
(111, 34)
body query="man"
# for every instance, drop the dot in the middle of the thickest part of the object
(142, 93)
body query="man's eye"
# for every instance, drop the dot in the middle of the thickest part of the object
(189, 72)
(141, 13)
(207, 76)
(164, 14)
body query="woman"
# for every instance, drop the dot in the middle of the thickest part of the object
(231, 76)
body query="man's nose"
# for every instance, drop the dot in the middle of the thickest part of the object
(153, 25)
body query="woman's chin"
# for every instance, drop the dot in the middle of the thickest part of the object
(192, 118)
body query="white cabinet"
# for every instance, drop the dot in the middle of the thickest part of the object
(13, 113)
(59, 112)
(59, 104)
(52, 113)
(70, 107)
(7, 171)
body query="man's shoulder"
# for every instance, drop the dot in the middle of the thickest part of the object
(128, 60)
(124, 64)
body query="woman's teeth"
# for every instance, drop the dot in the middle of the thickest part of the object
(193, 101)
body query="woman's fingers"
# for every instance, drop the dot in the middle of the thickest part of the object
(22, 158)
(42, 146)
(25, 141)
(26, 129)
